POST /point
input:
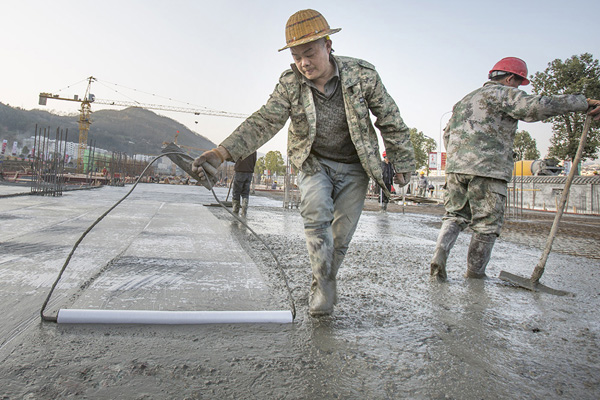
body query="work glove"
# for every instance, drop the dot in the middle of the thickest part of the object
(402, 178)
(207, 163)
(594, 106)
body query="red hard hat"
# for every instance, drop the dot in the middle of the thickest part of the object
(384, 154)
(513, 65)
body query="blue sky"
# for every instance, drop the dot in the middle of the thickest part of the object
(223, 54)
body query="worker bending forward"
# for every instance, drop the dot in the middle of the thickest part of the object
(479, 141)
(331, 142)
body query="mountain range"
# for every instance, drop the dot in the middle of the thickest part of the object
(132, 130)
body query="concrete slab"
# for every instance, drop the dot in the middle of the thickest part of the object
(395, 333)
(183, 259)
(8, 190)
(148, 254)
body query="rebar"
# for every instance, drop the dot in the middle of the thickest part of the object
(47, 166)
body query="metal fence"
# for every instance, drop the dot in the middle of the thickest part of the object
(542, 193)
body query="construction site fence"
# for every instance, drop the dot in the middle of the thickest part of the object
(542, 193)
(524, 193)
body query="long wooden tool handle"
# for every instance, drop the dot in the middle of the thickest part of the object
(539, 269)
(229, 191)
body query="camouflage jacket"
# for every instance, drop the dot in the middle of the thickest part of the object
(480, 134)
(362, 90)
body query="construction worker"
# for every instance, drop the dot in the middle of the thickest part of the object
(422, 185)
(244, 170)
(479, 141)
(388, 179)
(331, 142)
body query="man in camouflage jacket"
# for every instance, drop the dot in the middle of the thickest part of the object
(362, 90)
(479, 141)
(331, 142)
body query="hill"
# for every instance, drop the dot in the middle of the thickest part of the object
(132, 130)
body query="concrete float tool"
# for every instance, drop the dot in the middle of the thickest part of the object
(533, 283)
(78, 316)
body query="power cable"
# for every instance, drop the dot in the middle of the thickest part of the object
(116, 91)
(154, 95)
(73, 84)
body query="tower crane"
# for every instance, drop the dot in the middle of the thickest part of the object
(86, 110)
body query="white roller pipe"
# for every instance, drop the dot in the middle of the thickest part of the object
(75, 316)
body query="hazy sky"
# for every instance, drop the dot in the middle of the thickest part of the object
(222, 55)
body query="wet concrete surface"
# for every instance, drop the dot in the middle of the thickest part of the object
(395, 333)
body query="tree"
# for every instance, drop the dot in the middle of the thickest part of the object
(525, 147)
(422, 145)
(578, 74)
(25, 151)
(274, 162)
(259, 167)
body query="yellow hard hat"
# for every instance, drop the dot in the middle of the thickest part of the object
(306, 26)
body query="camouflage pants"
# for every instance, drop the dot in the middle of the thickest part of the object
(331, 203)
(475, 201)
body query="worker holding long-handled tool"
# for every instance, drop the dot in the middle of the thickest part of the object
(479, 143)
(331, 141)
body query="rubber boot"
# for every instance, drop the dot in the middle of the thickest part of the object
(236, 207)
(322, 295)
(244, 208)
(445, 241)
(332, 277)
(479, 254)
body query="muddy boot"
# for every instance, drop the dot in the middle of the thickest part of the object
(446, 239)
(244, 208)
(322, 296)
(479, 254)
(335, 266)
(323, 288)
(236, 207)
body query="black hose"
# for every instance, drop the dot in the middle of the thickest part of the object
(210, 187)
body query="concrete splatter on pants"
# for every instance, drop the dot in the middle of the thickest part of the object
(475, 201)
(332, 200)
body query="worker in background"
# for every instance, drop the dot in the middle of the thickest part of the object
(422, 185)
(242, 178)
(331, 142)
(388, 179)
(479, 141)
